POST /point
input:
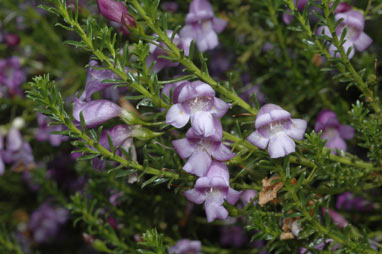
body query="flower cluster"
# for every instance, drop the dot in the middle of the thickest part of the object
(203, 146)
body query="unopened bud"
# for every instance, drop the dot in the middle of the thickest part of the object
(111, 10)
(100, 246)
(127, 22)
(143, 133)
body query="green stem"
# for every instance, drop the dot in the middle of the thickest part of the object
(103, 58)
(305, 162)
(175, 53)
(315, 223)
(280, 37)
(368, 7)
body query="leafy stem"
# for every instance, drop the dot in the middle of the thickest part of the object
(178, 56)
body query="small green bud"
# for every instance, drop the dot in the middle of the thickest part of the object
(100, 246)
(143, 133)
(130, 118)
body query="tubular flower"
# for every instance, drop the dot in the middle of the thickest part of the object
(95, 112)
(11, 76)
(354, 23)
(121, 137)
(94, 78)
(213, 189)
(46, 221)
(332, 130)
(196, 101)
(201, 150)
(348, 201)
(186, 246)
(43, 133)
(202, 26)
(156, 52)
(275, 129)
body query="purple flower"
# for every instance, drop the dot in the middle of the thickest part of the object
(11, 75)
(94, 78)
(17, 150)
(156, 53)
(319, 246)
(201, 150)
(12, 40)
(336, 217)
(342, 7)
(116, 11)
(202, 26)
(354, 22)
(250, 90)
(233, 235)
(213, 189)
(95, 112)
(111, 9)
(275, 129)
(169, 6)
(248, 196)
(43, 133)
(46, 221)
(287, 18)
(332, 130)
(348, 201)
(186, 246)
(121, 137)
(196, 101)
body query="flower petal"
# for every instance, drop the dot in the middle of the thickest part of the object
(198, 163)
(195, 196)
(203, 123)
(219, 108)
(221, 152)
(258, 140)
(218, 25)
(362, 42)
(297, 129)
(176, 116)
(346, 131)
(183, 147)
(280, 146)
(233, 196)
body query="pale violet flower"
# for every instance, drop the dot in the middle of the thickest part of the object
(275, 129)
(212, 190)
(202, 26)
(202, 150)
(354, 23)
(196, 101)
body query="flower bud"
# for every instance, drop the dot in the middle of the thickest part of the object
(143, 133)
(127, 22)
(112, 10)
(100, 246)
(12, 40)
